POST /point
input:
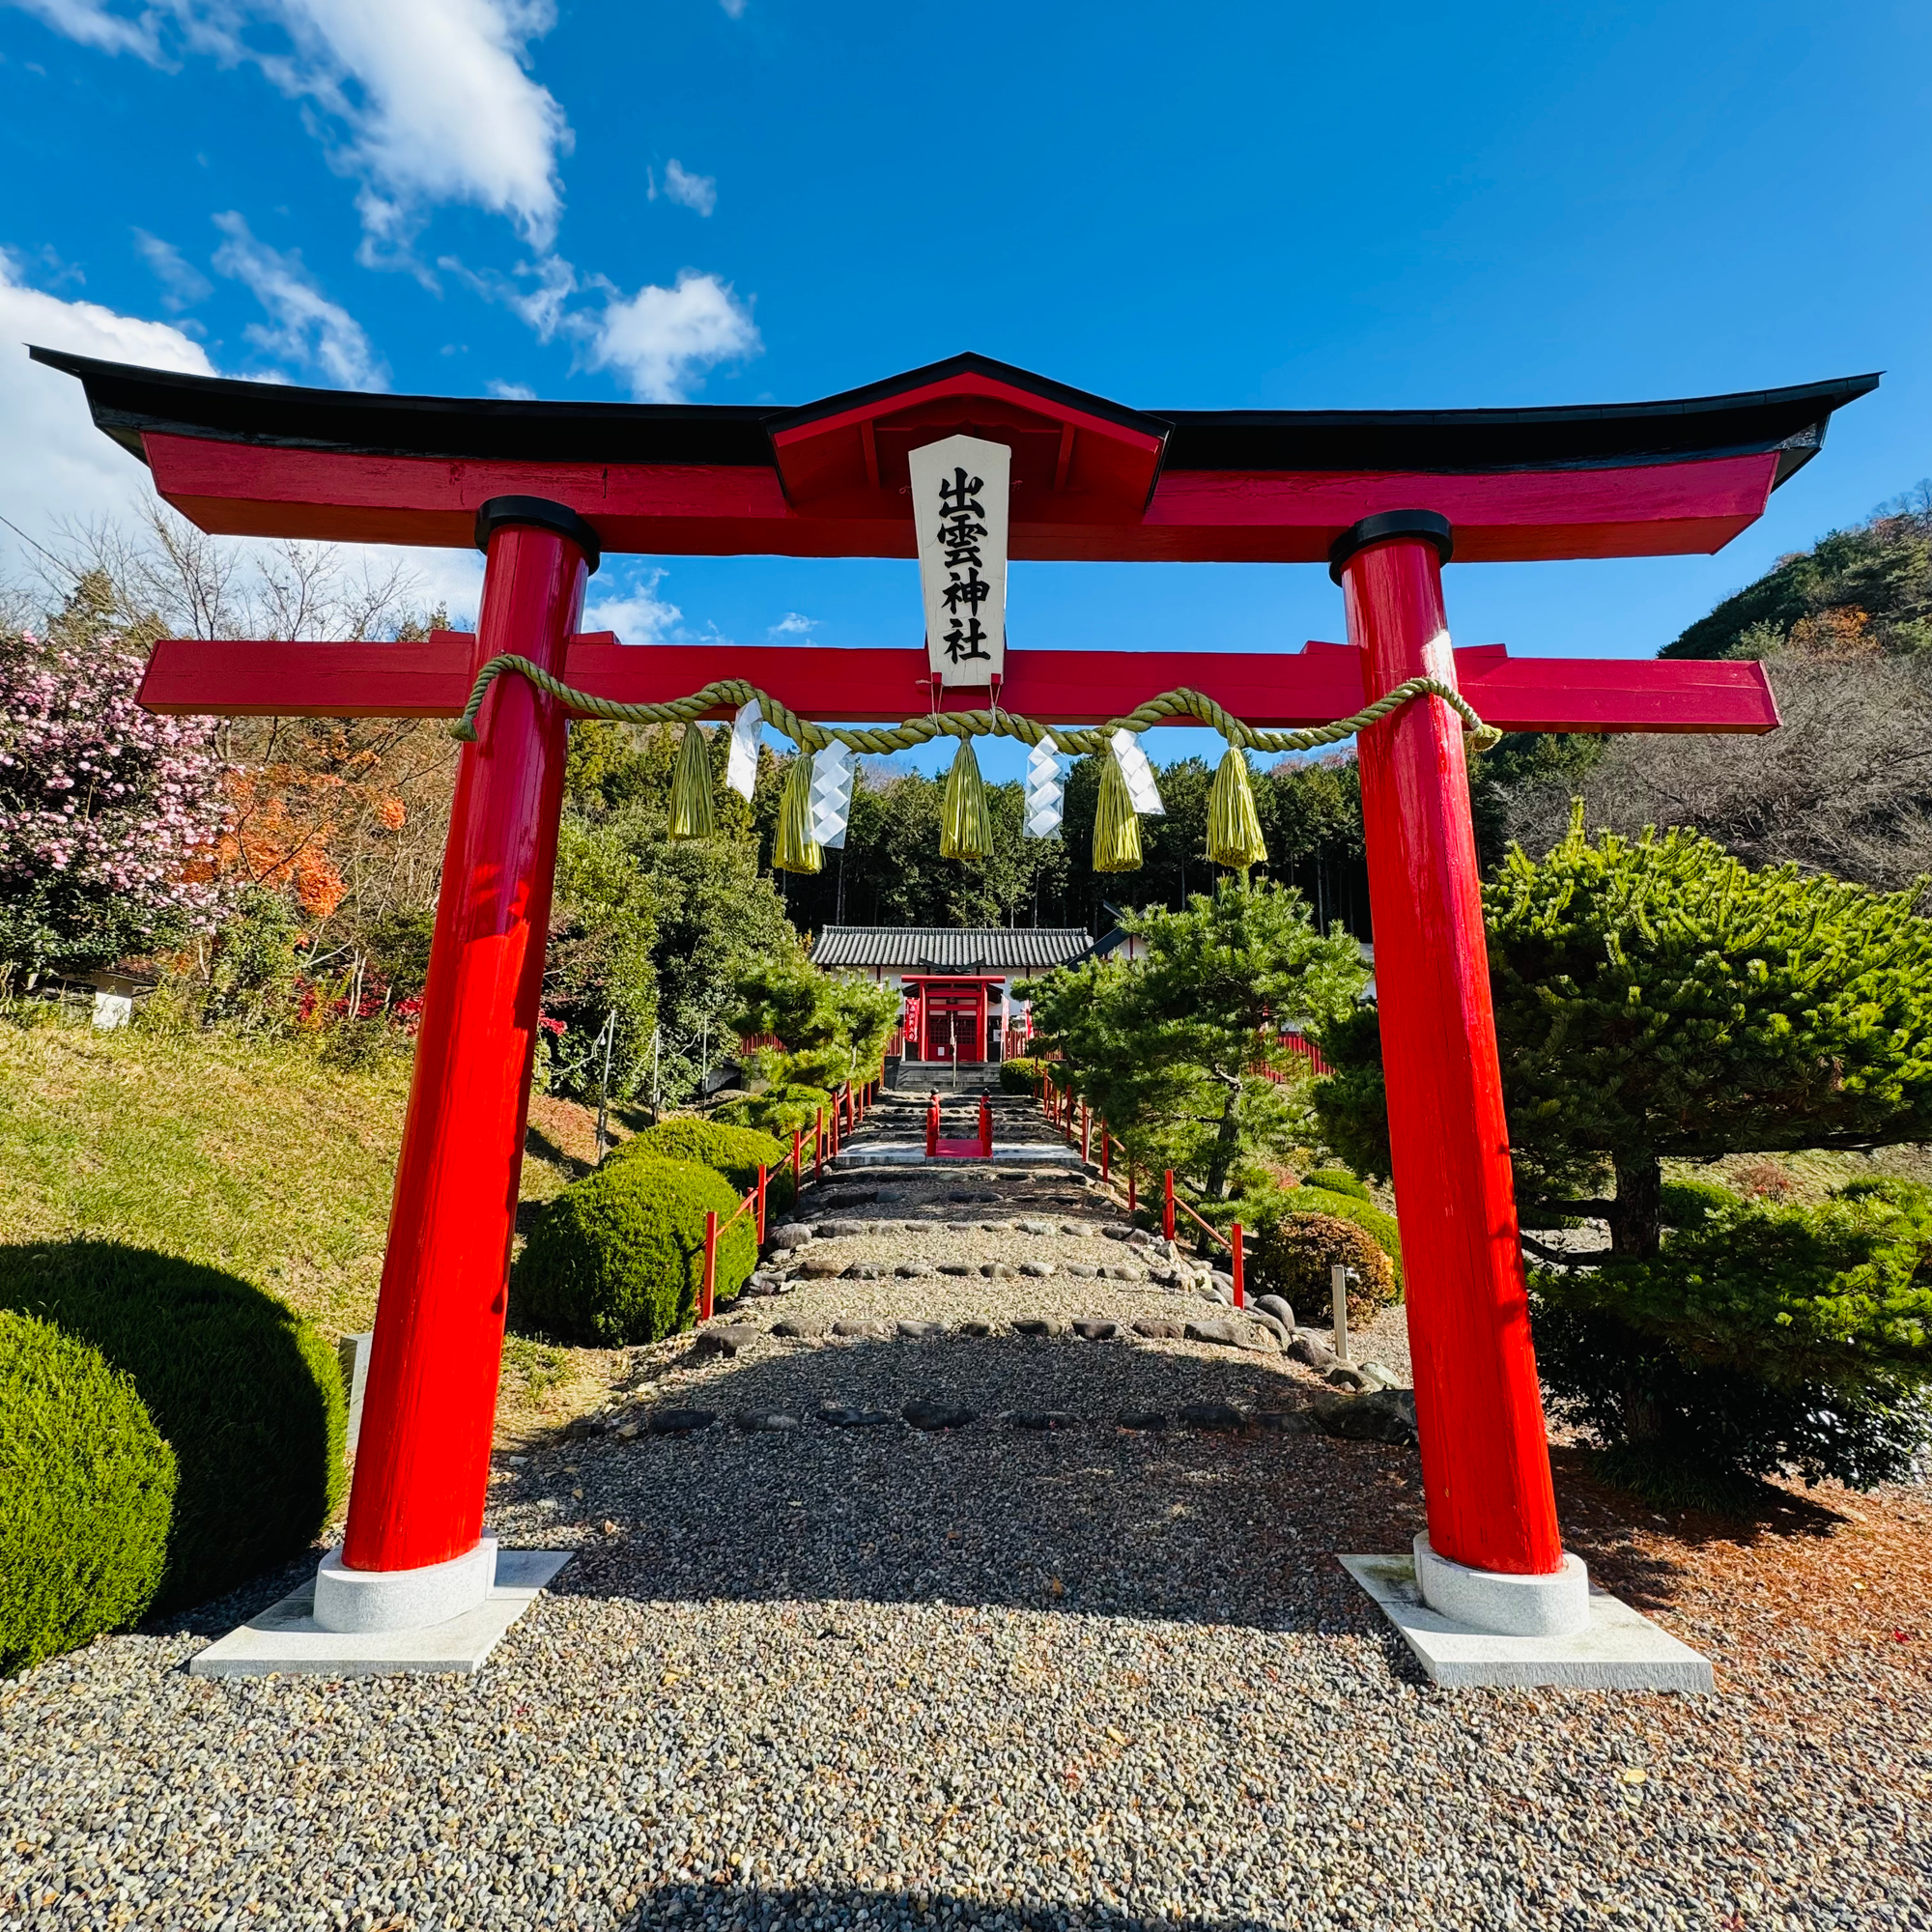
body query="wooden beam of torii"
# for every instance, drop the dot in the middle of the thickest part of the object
(544, 488)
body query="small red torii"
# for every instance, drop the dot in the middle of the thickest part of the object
(1384, 497)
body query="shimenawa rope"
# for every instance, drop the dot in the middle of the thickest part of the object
(1180, 703)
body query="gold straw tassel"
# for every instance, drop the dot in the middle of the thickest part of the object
(1233, 827)
(1116, 832)
(692, 812)
(797, 851)
(965, 825)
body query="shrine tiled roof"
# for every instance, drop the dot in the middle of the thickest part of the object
(938, 949)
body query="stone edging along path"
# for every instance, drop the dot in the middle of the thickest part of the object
(974, 1289)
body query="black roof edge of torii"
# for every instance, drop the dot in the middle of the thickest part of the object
(127, 400)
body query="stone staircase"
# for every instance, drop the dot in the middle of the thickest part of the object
(893, 1131)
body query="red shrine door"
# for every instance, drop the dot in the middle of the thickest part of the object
(955, 1025)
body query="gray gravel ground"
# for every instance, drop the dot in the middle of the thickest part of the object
(874, 1677)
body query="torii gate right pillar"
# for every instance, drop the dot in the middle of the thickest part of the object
(1479, 1410)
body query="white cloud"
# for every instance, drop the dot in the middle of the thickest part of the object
(91, 24)
(54, 464)
(734, 8)
(638, 615)
(309, 329)
(426, 101)
(661, 340)
(182, 283)
(57, 468)
(793, 625)
(511, 392)
(697, 192)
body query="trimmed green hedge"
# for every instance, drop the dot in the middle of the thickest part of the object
(246, 1394)
(1338, 1180)
(1690, 1203)
(1291, 1255)
(1379, 1228)
(779, 1110)
(618, 1257)
(734, 1152)
(1020, 1074)
(87, 1490)
(1768, 1339)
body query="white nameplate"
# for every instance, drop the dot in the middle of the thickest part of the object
(959, 492)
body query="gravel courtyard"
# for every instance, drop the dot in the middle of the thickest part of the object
(1004, 1674)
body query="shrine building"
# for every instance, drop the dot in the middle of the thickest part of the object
(963, 985)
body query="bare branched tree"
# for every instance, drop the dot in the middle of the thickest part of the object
(172, 579)
(1844, 785)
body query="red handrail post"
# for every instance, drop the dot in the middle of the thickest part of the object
(1105, 1139)
(1132, 1201)
(1086, 1132)
(818, 1143)
(932, 1129)
(1234, 1267)
(985, 1128)
(761, 1204)
(710, 1266)
(797, 1161)
(1167, 1203)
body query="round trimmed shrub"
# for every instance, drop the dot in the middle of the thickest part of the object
(1020, 1074)
(87, 1491)
(1337, 1180)
(734, 1152)
(1292, 1254)
(618, 1257)
(1381, 1227)
(1690, 1203)
(246, 1394)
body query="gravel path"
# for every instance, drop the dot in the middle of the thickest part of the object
(875, 1676)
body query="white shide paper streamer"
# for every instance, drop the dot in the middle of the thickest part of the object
(832, 770)
(1142, 791)
(1046, 790)
(741, 773)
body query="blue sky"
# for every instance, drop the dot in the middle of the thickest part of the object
(1246, 206)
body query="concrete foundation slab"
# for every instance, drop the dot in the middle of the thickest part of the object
(285, 1640)
(1619, 1651)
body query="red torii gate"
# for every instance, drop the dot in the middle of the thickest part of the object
(1385, 498)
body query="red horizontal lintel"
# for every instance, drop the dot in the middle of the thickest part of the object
(1659, 509)
(1276, 691)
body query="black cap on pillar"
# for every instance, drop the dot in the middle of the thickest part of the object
(1423, 524)
(538, 513)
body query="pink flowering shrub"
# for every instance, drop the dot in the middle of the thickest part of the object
(109, 815)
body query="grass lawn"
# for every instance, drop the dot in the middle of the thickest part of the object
(252, 1155)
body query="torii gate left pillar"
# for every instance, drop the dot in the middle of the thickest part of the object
(413, 1552)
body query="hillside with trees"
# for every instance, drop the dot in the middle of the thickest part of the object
(1844, 786)
(1868, 588)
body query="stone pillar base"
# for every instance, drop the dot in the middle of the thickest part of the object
(1489, 1599)
(357, 1600)
(286, 1639)
(1611, 1649)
